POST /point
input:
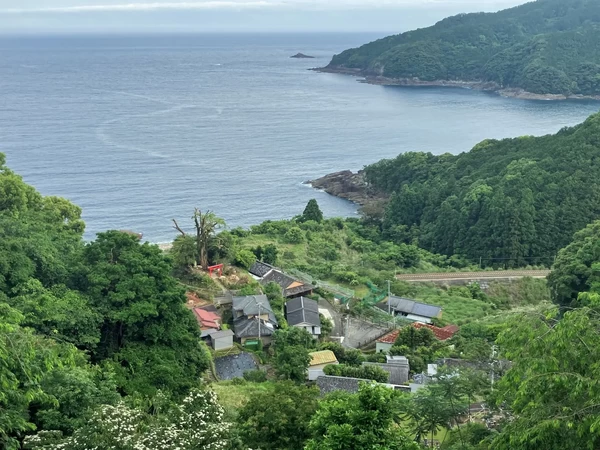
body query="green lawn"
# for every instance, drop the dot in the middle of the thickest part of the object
(233, 396)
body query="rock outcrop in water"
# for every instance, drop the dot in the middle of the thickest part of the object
(348, 185)
(302, 56)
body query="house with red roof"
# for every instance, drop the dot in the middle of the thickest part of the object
(385, 343)
(209, 321)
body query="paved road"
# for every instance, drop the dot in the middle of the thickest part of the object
(495, 275)
(335, 316)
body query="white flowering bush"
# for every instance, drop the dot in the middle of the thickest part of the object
(195, 424)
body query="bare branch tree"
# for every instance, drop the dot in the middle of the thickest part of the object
(206, 226)
(176, 226)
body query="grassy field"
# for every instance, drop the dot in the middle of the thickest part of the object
(455, 308)
(233, 396)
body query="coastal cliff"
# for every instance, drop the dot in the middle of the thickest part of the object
(347, 185)
(486, 86)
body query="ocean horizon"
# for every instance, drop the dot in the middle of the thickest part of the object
(141, 129)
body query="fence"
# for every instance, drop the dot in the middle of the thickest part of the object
(376, 316)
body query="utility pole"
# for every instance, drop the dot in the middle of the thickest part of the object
(493, 363)
(347, 327)
(389, 295)
(258, 322)
(480, 262)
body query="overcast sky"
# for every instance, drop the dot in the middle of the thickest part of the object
(32, 16)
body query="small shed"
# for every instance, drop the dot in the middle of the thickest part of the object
(318, 362)
(222, 340)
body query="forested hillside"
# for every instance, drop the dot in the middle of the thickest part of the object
(543, 47)
(82, 324)
(97, 350)
(510, 202)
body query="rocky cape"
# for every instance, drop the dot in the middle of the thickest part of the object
(474, 85)
(347, 185)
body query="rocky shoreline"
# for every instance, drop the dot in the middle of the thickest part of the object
(347, 185)
(474, 85)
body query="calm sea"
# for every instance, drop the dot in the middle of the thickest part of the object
(140, 130)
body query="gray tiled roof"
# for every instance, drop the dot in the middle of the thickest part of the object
(221, 334)
(245, 328)
(249, 306)
(260, 269)
(283, 280)
(421, 309)
(404, 305)
(408, 306)
(278, 277)
(302, 310)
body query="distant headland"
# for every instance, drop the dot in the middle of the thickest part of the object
(544, 50)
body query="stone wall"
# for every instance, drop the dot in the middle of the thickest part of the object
(329, 384)
(398, 372)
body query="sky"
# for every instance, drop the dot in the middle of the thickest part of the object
(133, 16)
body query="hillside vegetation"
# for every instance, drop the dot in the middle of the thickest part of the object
(98, 351)
(510, 202)
(543, 47)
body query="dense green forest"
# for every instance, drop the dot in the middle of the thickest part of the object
(510, 202)
(543, 47)
(82, 324)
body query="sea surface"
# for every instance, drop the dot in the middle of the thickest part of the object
(139, 130)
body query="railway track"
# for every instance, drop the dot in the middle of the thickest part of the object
(495, 275)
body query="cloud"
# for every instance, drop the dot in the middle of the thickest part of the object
(251, 4)
(217, 4)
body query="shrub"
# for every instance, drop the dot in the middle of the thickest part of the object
(349, 357)
(294, 236)
(255, 376)
(364, 372)
(377, 358)
(244, 259)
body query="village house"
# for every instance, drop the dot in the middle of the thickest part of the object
(411, 309)
(318, 362)
(253, 319)
(385, 343)
(208, 319)
(290, 287)
(441, 334)
(222, 340)
(259, 269)
(304, 313)
(207, 315)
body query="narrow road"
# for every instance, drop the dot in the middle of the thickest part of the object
(336, 317)
(495, 275)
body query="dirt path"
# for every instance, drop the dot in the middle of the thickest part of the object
(495, 275)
